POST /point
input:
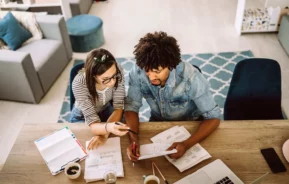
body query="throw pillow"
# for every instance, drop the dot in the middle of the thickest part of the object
(12, 33)
(29, 22)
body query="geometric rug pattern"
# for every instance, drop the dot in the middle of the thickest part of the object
(216, 67)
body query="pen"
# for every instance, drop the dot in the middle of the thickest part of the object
(133, 151)
(128, 129)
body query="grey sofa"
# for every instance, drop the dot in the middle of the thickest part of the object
(27, 73)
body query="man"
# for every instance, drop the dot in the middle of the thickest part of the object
(174, 90)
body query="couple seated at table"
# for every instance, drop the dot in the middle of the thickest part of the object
(174, 90)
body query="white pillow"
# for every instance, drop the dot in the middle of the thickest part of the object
(3, 45)
(40, 13)
(29, 22)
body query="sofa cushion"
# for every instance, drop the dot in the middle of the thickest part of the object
(40, 51)
(28, 21)
(49, 59)
(12, 33)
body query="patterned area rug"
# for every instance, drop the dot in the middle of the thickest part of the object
(216, 67)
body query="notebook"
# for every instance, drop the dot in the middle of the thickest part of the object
(192, 157)
(59, 148)
(154, 150)
(103, 158)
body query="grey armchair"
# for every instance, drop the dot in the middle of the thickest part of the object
(27, 74)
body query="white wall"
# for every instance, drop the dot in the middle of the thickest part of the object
(275, 3)
(239, 15)
(66, 11)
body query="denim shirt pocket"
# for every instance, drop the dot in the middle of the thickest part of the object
(149, 97)
(179, 102)
(180, 97)
(178, 107)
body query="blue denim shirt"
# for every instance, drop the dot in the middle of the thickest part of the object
(185, 96)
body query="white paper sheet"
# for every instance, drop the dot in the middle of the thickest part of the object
(154, 150)
(193, 156)
(50, 140)
(103, 158)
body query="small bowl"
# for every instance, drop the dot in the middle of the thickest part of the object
(72, 170)
(285, 150)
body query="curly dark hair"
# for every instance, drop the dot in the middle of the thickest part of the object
(157, 49)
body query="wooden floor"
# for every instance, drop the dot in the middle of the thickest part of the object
(199, 26)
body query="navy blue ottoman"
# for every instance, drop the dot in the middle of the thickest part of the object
(85, 32)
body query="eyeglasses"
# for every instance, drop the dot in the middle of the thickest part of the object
(115, 76)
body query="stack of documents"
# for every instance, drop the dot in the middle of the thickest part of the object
(192, 157)
(59, 148)
(103, 158)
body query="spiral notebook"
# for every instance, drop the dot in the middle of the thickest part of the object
(59, 148)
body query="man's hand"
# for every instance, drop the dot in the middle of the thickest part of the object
(132, 121)
(180, 147)
(96, 141)
(133, 155)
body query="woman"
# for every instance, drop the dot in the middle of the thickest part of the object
(98, 86)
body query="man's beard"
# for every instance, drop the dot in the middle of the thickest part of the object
(159, 82)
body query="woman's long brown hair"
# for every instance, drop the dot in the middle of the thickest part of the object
(98, 62)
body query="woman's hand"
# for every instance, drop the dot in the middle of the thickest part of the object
(117, 128)
(96, 141)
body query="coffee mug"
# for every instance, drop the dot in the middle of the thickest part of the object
(151, 179)
(72, 170)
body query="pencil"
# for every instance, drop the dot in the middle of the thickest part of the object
(132, 131)
(128, 129)
(166, 181)
(133, 151)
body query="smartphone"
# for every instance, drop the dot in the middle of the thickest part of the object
(273, 160)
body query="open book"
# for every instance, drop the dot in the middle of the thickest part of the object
(103, 158)
(192, 157)
(59, 148)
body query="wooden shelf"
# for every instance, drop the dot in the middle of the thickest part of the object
(258, 31)
(250, 19)
(64, 4)
(15, 5)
